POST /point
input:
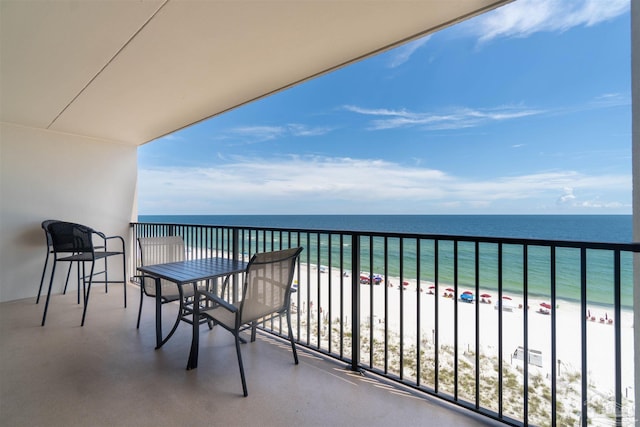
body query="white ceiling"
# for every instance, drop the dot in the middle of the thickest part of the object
(131, 71)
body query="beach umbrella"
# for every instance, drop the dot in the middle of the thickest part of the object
(405, 283)
(545, 305)
(506, 297)
(450, 290)
(432, 287)
(485, 296)
(467, 293)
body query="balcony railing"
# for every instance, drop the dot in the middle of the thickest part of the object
(523, 331)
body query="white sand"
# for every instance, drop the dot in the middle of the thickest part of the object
(600, 336)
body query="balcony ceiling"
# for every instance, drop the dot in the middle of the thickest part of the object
(132, 71)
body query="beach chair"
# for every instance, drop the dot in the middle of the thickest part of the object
(71, 243)
(266, 294)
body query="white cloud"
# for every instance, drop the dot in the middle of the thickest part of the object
(259, 133)
(404, 53)
(345, 185)
(457, 118)
(255, 134)
(525, 17)
(297, 129)
(567, 196)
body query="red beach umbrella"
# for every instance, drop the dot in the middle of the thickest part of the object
(485, 296)
(450, 290)
(467, 293)
(405, 283)
(432, 287)
(545, 305)
(506, 297)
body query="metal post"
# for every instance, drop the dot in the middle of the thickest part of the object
(355, 303)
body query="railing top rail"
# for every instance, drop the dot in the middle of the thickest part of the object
(630, 247)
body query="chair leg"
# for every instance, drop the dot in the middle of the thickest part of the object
(254, 326)
(44, 270)
(80, 281)
(124, 278)
(140, 307)
(66, 282)
(86, 298)
(46, 304)
(293, 344)
(244, 383)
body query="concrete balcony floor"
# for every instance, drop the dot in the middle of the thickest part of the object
(107, 373)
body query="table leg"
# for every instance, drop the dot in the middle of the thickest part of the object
(195, 338)
(158, 314)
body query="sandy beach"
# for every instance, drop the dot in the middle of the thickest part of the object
(404, 299)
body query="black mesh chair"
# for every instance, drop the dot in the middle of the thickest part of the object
(266, 294)
(71, 243)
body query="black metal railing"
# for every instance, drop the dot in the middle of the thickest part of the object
(516, 329)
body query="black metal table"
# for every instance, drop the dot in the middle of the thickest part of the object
(185, 273)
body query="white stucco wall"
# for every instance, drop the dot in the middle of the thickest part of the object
(48, 175)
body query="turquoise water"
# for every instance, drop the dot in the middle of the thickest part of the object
(592, 228)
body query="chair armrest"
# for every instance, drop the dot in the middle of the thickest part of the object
(105, 238)
(218, 300)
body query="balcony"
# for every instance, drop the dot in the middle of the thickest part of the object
(392, 328)
(108, 374)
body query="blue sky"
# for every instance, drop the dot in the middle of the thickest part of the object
(523, 110)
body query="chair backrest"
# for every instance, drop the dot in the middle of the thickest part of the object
(45, 227)
(267, 286)
(70, 237)
(160, 250)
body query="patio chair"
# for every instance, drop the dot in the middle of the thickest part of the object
(71, 243)
(266, 294)
(45, 226)
(161, 250)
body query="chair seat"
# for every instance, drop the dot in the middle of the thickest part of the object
(228, 318)
(175, 296)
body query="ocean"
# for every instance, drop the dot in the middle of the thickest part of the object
(595, 228)
(587, 228)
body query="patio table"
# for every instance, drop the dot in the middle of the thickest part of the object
(189, 273)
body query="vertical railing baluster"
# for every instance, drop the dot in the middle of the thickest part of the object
(525, 326)
(319, 286)
(500, 414)
(554, 356)
(477, 331)
(583, 330)
(418, 315)
(401, 289)
(355, 303)
(436, 254)
(617, 319)
(342, 295)
(329, 311)
(455, 320)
